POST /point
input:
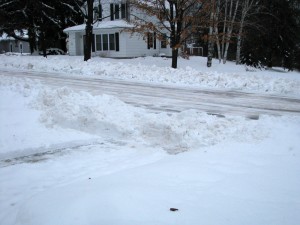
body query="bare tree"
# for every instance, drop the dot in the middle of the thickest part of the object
(223, 17)
(216, 27)
(234, 4)
(176, 19)
(212, 25)
(246, 5)
(85, 7)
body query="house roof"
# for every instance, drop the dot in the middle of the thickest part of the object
(101, 25)
(5, 37)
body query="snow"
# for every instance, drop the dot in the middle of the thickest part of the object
(104, 116)
(248, 185)
(5, 37)
(101, 25)
(20, 126)
(157, 70)
(69, 157)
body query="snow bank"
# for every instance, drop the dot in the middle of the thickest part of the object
(191, 72)
(107, 117)
(21, 133)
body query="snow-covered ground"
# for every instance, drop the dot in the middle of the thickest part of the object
(68, 157)
(191, 72)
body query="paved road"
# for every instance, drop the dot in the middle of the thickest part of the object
(170, 98)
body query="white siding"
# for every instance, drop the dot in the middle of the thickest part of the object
(130, 45)
(132, 11)
(136, 45)
(72, 44)
(167, 51)
(79, 43)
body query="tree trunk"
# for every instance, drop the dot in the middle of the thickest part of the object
(175, 32)
(43, 44)
(219, 49)
(224, 29)
(246, 5)
(238, 47)
(174, 57)
(210, 54)
(216, 30)
(230, 28)
(270, 58)
(88, 32)
(239, 43)
(88, 42)
(226, 47)
(210, 46)
(32, 40)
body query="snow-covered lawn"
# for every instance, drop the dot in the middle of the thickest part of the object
(191, 72)
(70, 157)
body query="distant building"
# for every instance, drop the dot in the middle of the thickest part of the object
(10, 44)
(112, 35)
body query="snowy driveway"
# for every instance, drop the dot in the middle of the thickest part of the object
(171, 98)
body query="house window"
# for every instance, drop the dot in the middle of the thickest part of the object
(112, 12)
(100, 12)
(123, 11)
(118, 11)
(151, 40)
(105, 42)
(163, 42)
(111, 41)
(98, 43)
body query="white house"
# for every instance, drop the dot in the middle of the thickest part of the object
(112, 35)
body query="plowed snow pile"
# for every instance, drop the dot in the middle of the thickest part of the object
(191, 72)
(107, 117)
